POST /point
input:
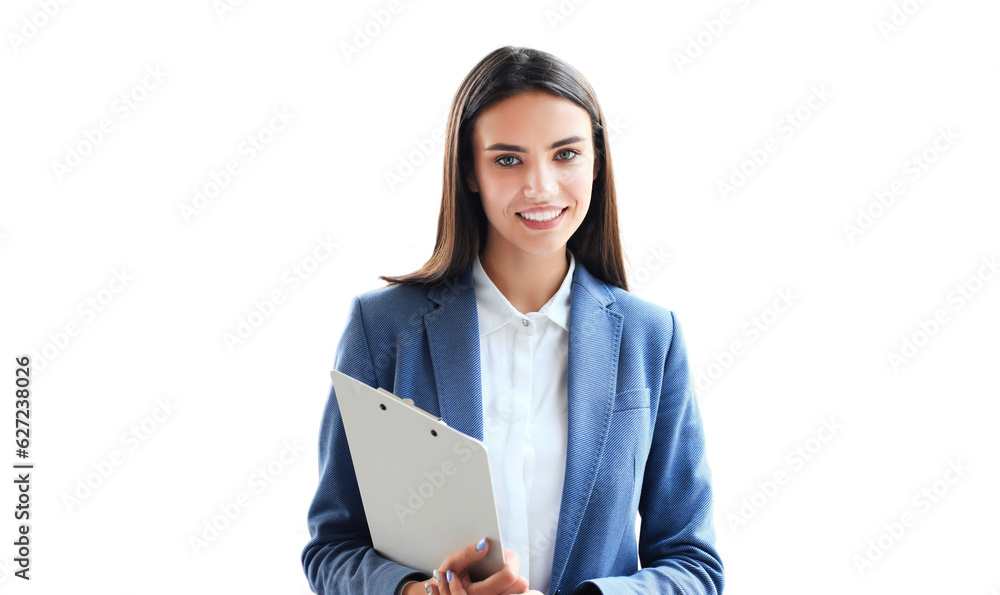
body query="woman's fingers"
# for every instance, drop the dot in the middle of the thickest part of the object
(455, 583)
(511, 559)
(506, 581)
(422, 588)
(519, 586)
(442, 586)
(456, 565)
(453, 577)
(438, 583)
(460, 560)
(436, 588)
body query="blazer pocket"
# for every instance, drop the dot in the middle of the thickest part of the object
(637, 398)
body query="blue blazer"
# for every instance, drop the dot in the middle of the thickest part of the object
(635, 439)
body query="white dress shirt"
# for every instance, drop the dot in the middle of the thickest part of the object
(523, 359)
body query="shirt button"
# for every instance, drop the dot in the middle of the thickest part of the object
(524, 321)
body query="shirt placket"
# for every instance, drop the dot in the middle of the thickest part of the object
(524, 344)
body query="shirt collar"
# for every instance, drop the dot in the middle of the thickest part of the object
(495, 310)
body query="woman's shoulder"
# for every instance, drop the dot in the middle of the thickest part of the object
(394, 303)
(648, 323)
(634, 309)
(638, 310)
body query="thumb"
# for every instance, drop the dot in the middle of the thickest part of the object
(462, 559)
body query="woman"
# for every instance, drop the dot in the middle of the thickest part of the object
(519, 331)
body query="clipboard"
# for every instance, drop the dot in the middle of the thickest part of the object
(426, 487)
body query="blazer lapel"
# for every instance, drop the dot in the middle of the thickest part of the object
(453, 335)
(592, 375)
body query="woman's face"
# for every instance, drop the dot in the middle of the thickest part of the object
(534, 167)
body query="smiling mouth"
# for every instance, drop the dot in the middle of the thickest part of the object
(542, 216)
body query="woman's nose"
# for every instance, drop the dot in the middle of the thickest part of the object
(540, 182)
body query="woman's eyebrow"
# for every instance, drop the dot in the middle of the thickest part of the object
(558, 143)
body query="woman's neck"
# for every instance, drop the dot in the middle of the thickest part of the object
(527, 280)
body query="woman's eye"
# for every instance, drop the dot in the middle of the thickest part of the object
(501, 161)
(571, 154)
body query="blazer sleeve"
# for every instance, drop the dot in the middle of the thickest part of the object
(340, 558)
(677, 536)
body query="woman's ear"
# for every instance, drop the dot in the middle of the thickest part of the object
(470, 179)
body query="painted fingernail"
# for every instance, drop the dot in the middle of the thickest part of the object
(449, 575)
(481, 545)
(437, 576)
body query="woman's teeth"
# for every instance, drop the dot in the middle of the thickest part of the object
(542, 215)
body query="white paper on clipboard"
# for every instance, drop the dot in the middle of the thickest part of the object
(426, 488)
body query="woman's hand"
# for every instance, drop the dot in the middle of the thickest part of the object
(505, 581)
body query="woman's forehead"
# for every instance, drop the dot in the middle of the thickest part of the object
(533, 117)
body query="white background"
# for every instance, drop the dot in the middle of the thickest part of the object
(678, 130)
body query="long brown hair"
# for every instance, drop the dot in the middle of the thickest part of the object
(462, 223)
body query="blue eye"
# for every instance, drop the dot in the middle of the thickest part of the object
(572, 153)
